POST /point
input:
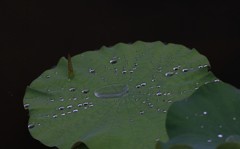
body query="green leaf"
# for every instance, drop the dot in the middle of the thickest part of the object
(113, 98)
(211, 115)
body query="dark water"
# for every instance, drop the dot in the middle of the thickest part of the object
(36, 34)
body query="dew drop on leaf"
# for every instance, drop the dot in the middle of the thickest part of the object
(111, 91)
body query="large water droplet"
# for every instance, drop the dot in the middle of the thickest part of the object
(112, 91)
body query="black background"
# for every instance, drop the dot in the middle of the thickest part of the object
(36, 34)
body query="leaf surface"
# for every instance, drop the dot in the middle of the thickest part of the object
(117, 98)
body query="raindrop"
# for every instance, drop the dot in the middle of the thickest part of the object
(185, 70)
(61, 108)
(113, 61)
(112, 91)
(124, 71)
(217, 80)
(209, 140)
(205, 65)
(220, 135)
(85, 103)
(30, 126)
(90, 70)
(143, 84)
(138, 86)
(164, 111)
(75, 110)
(72, 89)
(69, 106)
(169, 74)
(205, 113)
(26, 106)
(159, 93)
(200, 66)
(90, 105)
(85, 91)
(80, 105)
(176, 68)
(61, 99)
(141, 112)
(63, 114)
(55, 116)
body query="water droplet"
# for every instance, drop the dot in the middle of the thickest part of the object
(85, 103)
(75, 98)
(158, 93)
(85, 91)
(234, 118)
(219, 135)
(209, 140)
(131, 71)
(48, 76)
(206, 65)
(113, 60)
(143, 84)
(176, 68)
(184, 70)
(26, 106)
(138, 86)
(216, 80)
(63, 114)
(61, 99)
(69, 106)
(52, 100)
(141, 112)
(75, 110)
(90, 70)
(169, 74)
(61, 108)
(205, 113)
(200, 66)
(80, 105)
(112, 91)
(72, 89)
(55, 116)
(124, 71)
(30, 126)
